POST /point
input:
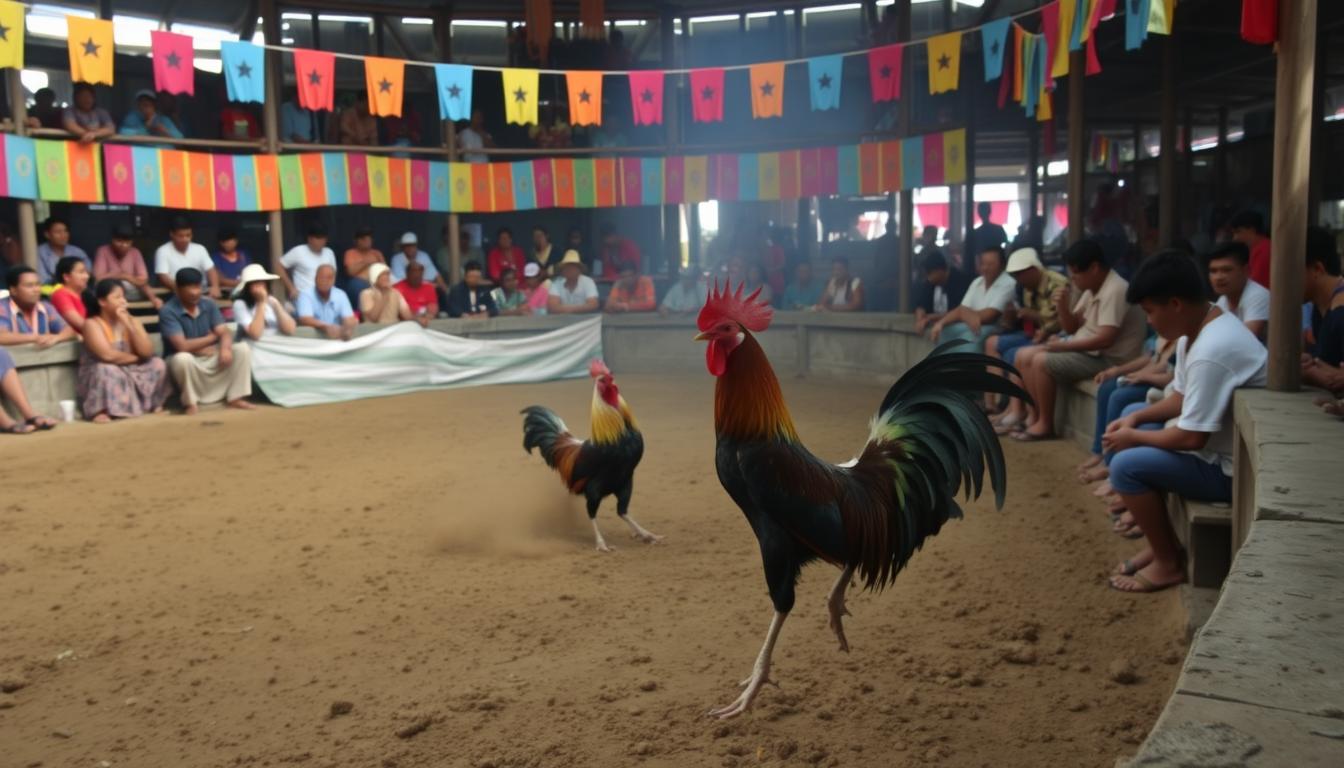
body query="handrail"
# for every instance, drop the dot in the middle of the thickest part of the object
(61, 133)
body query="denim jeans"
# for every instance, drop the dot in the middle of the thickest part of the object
(1145, 468)
(1010, 343)
(1112, 399)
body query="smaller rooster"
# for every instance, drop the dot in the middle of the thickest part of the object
(601, 466)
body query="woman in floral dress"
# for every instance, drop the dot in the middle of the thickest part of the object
(119, 376)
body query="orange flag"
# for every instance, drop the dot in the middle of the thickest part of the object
(585, 97)
(385, 80)
(767, 89)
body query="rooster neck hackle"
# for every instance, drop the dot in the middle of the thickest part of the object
(748, 403)
(610, 423)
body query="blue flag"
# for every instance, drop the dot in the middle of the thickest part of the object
(439, 184)
(994, 36)
(148, 178)
(21, 173)
(454, 85)
(652, 176)
(823, 76)
(338, 183)
(1080, 17)
(748, 176)
(1136, 23)
(848, 175)
(244, 67)
(524, 189)
(244, 182)
(912, 161)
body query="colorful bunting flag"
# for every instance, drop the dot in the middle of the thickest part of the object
(1078, 29)
(380, 191)
(651, 173)
(501, 180)
(481, 193)
(767, 175)
(824, 76)
(440, 184)
(828, 164)
(246, 192)
(453, 82)
(1161, 15)
(315, 73)
(725, 181)
(767, 89)
(585, 97)
(173, 167)
(313, 172)
(200, 182)
(872, 164)
(632, 181)
(120, 165)
(809, 173)
(954, 156)
(707, 95)
(848, 159)
(646, 96)
(148, 176)
(674, 180)
(524, 185)
(11, 34)
(226, 192)
(291, 182)
(884, 72)
(695, 175)
(994, 36)
(543, 178)
(912, 162)
(69, 171)
(174, 62)
(944, 62)
(419, 185)
(520, 96)
(1136, 23)
(268, 182)
(748, 176)
(790, 184)
(244, 66)
(357, 173)
(606, 182)
(399, 183)
(385, 81)
(91, 49)
(1259, 22)
(893, 166)
(563, 168)
(1056, 28)
(459, 180)
(337, 177)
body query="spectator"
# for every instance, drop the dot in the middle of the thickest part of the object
(238, 123)
(632, 292)
(1036, 321)
(987, 299)
(805, 291)
(844, 292)
(617, 251)
(359, 260)
(298, 267)
(1248, 228)
(551, 131)
(205, 363)
(1215, 355)
(505, 255)
(119, 376)
(145, 120)
(1103, 331)
(537, 288)
(465, 250)
(179, 253)
(357, 126)
(25, 319)
(121, 260)
(57, 246)
(326, 307)
(988, 234)
(1324, 288)
(1229, 274)
(943, 290)
(1120, 387)
(297, 125)
(574, 241)
(774, 262)
(229, 260)
(11, 251)
(420, 296)
(168, 108)
(410, 251)
(572, 292)
(72, 279)
(403, 130)
(474, 138)
(380, 302)
(45, 113)
(85, 119)
(542, 253)
(469, 299)
(508, 297)
(686, 296)
(255, 311)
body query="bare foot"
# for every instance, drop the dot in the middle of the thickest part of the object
(1155, 577)
(1103, 490)
(191, 410)
(1089, 476)
(241, 405)
(1091, 462)
(101, 418)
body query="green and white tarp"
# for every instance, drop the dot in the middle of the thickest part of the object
(407, 358)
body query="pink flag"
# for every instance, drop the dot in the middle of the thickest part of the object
(174, 62)
(1050, 29)
(884, 72)
(357, 170)
(646, 94)
(707, 95)
(119, 170)
(543, 181)
(828, 159)
(419, 185)
(226, 187)
(674, 189)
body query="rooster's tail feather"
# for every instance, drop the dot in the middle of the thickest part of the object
(546, 432)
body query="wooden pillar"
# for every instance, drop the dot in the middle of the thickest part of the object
(443, 38)
(1077, 146)
(970, 168)
(1186, 213)
(1033, 163)
(27, 220)
(1293, 129)
(1220, 158)
(270, 117)
(905, 248)
(1319, 84)
(1166, 161)
(672, 138)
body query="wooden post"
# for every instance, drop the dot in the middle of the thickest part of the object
(1220, 157)
(970, 168)
(1319, 84)
(270, 118)
(443, 36)
(1033, 163)
(906, 220)
(1077, 146)
(672, 136)
(1166, 160)
(1293, 129)
(27, 220)
(1186, 212)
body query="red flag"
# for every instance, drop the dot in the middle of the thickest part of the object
(884, 72)
(707, 95)
(789, 186)
(646, 95)
(1093, 63)
(725, 177)
(1260, 21)
(174, 62)
(1050, 29)
(316, 73)
(674, 191)
(543, 180)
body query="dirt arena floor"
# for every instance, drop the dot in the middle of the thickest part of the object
(395, 583)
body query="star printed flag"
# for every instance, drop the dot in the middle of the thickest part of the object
(20, 162)
(520, 96)
(244, 66)
(585, 97)
(174, 62)
(707, 95)
(316, 77)
(767, 89)
(90, 43)
(884, 72)
(454, 85)
(823, 75)
(646, 97)
(385, 81)
(11, 35)
(944, 62)
(994, 35)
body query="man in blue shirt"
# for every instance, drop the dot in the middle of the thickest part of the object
(25, 319)
(205, 363)
(296, 124)
(57, 246)
(326, 307)
(145, 119)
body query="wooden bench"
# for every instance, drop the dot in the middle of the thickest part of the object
(1205, 530)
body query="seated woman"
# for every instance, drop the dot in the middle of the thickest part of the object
(119, 374)
(844, 292)
(258, 313)
(72, 277)
(382, 303)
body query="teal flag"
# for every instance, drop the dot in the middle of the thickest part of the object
(439, 185)
(1136, 23)
(454, 86)
(994, 36)
(338, 182)
(748, 176)
(244, 66)
(20, 167)
(824, 75)
(524, 186)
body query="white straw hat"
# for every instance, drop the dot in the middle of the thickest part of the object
(252, 273)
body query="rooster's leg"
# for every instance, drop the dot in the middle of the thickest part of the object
(638, 531)
(760, 674)
(601, 542)
(623, 507)
(836, 604)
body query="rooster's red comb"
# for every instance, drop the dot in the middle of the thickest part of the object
(725, 304)
(598, 368)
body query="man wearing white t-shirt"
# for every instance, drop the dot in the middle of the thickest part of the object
(985, 301)
(179, 253)
(1230, 275)
(573, 292)
(1215, 355)
(298, 267)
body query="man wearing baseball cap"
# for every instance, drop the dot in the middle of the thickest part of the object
(145, 119)
(1034, 322)
(409, 246)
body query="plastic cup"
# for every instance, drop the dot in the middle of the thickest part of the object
(67, 410)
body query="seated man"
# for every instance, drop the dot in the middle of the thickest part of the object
(942, 290)
(469, 299)
(382, 303)
(1103, 331)
(205, 363)
(508, 297)
(420, 296)
(180, 253)
(57, 246)
(804, 292)
(572, 293)
(990, 295)
(1038, 313)
(410, 251)
(297, 268)
(358, 261)
(688, 295)
(121, 260)
(1216, 354)
(326, 307)
(632, 292)
(145, 119)
(1230, 275)
(844, 292)
(1324, 288)
(25, 319)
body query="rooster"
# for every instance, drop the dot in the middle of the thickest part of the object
(867, 516)
(601, 466)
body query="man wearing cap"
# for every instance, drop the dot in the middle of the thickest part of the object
(180, 253)
(410, 251)
(1036, 321)
(145, 119)
(121, 260)
(358, 260)
(205, 363)
(298, 267)
(990, 295)
(572, 293)
(326, 307)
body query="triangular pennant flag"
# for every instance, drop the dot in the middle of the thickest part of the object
(11, 34)
(994, 36)
(174, 62)
(1136, 23)
(1033, 47)
(944, 62)
(1093, 63)
(884, 72)
(585, 97)
(91, 50)
(244, 66)
(385, 80)
(767, 89)
(453, 82)
(707, 95)
(646, 97)
(520, 96)
(1009, 64)
(1082, 13)
(315, 73)
(824, 75)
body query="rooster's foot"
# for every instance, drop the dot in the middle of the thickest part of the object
(640, 533)
(601, 542)
(836, 605)
(751, 689)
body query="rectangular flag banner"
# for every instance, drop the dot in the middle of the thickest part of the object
(524, 186)
(440, 185)
(292, 190)
(696, 174)
(11, 45)
(315, 73)
(767, 175)
(890, 172)
(244, 66)
(790, 183)
(453, 82)
(848, 160)
(646, 96)
(481, 193)
(674, 184)
(651, 169)
(200, 182)
(419, 185)
(174, 62)
(607, 191)
(725, 184)
(459, 180)
(20, 176)
(585, 97)
(767, 90)
(385, 80)
(520, 96)
(707, 95)
(870, 168)
(226, 189)
(247, 195)
(944, 62)
(399, 182)
(912, 162)
(824, 76)
(994, 36)
(954, 156)
(501, 181)
(53, 175)
(933, 160)
(148, 176)
(314, 179)
(120, 165)
(380, 191)
(884, 72)
(632, 181)
(91, 49)
(563, 171)
(543, 178)
(268, 182)
(337, 178)
(828, 163)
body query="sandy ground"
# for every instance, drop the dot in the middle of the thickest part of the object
(203, 591)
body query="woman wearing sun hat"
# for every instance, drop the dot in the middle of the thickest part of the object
(381, 303)
(257, 312)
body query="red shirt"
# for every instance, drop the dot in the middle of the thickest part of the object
(66, 300)
(623, 252)
(238, 124)
(1260, 262)
(420, 297)
(499, 260)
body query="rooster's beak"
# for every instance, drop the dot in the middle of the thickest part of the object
(702, 337)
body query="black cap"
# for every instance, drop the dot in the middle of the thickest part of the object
(123, 232)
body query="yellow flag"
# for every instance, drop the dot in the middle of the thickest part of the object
(385, 80)
(380, 184)
(520, 96)
(1060, 66)
(1045, 106)
(1161, 14)
(90, 44)
(11, 35)
(767, 89)
(695, 176)
(954, 156)
(459, 180)
(944, 62)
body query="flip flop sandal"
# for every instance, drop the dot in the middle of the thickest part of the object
(1008, 429)
(1127, 568)
(1027, 437)
(1143, 581)
(41, 422)
(17, 428)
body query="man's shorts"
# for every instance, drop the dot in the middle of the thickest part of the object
(1068, 367)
